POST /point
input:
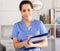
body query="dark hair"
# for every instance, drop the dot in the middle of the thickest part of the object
(25, 2)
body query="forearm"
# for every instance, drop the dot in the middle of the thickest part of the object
(19, 45)
(42, 44)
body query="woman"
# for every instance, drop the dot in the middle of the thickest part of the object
(23, 30)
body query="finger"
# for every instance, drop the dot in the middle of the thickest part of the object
(30, 43)
(27, 46)
(29, 37)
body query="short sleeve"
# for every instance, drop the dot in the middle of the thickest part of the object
(14, 31)
(43, 29)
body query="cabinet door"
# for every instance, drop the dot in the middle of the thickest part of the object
(50, 45)
(57, 45)
(10, 49)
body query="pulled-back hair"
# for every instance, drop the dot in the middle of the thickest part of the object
(25, 2)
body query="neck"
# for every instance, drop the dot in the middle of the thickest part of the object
(27, 22)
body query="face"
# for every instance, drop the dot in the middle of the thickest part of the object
(26, 12)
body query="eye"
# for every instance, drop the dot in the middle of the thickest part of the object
(28, 9)
(24, 10)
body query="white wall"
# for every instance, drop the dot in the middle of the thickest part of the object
(9, 12)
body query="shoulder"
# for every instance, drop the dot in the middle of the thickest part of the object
(17, 23)
(38, 21)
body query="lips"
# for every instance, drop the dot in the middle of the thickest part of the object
(26, 16)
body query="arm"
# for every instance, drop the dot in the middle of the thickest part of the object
(14, 37)
(17, 44)
(21, 44)
(43, 30)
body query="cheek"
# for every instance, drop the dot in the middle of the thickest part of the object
(31, 13)
(23, 14)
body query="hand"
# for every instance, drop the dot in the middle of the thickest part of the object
(28, 44)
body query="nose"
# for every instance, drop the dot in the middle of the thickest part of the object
(27, 12)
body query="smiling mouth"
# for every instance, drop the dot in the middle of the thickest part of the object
(26, 16)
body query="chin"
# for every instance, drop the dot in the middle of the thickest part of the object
(29, 19)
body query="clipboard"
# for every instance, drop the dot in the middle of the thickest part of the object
(37, 39)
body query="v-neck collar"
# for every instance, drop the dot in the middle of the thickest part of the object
(26, 26)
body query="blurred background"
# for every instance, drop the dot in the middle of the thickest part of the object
(47, 11)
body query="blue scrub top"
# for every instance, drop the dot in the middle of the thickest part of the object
(21, 31)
